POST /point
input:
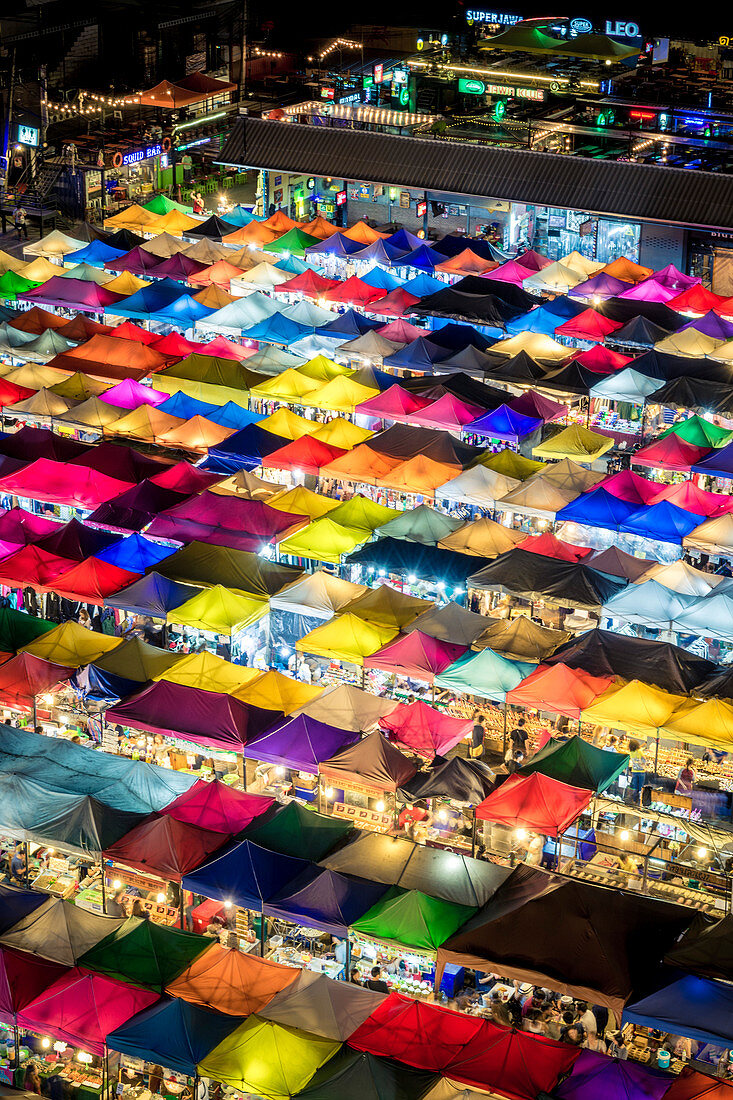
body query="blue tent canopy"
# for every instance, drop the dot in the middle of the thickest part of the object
(598, 508)
(136, 553)
(96, 254)
(422, 285)
(404, 241)
(562, 306)
(152, 299)
(243, 451)
(245, 874)
(152, 595)
(326, 900)
(240, 215)
(700, 1008)
(380, 252)
(277, 330)
(183, 311)
(336, 245)
(504, 423)
(180, 404)
(97, 685)
(664, 522)
(381, 279)
(718, 463)
(175, 1034)
(16, 904)
(423, 258)
(293, 265)
(349, 324)
(421, 353)
(233, 415)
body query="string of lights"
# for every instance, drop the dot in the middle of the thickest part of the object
(336, 44)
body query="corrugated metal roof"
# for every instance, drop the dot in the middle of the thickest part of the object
(638, 191)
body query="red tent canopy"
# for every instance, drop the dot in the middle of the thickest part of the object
(306, 454)
(164, 846)
(38, 320)
(309, 283)
(129, 331)
(534, 802)
(601, 359)
(400, 331)
(25, 676)
(221, 348)
(175, 345)
(395, 304)
(691, 1085)
(670, 453)
(696, 299)
(216, 807)
(424, 729)
(422, 1035)
(588, 325)
(184, 478)
(511, 1063)
(170, 95)
(63, 483)
(567, 691)
(550, 546)
(353, 290)
(83, 1008)
(689, 495)
(416, 655)
(33, 567)
(93, 580)
(23, 977)
(10, 393)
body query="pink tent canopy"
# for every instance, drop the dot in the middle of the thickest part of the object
(448, 412)
(533, 261)
(63, 483)
(400, 331)
(534, 802)
(426, 730)
(130, 394)
(649, 290)
(671, 276)
(534, 404)
(688, 495)
(221, 348)
(601, 359)
(217, 807)
(83, 1008)
(626, 485)
(511, 272)
(417, 655)
(565, 690)
(394, 403)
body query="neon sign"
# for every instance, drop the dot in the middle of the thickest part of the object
(137, 155)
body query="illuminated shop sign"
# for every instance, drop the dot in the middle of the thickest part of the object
(480, 87)
(504, 18)
(136, 155)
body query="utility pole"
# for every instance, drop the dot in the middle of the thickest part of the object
(243, 48)
(9, 116)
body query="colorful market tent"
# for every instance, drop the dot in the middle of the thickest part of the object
(422, 524)
(300, 743)
(165, 846)
(346, 638)
(231, 982)
(463, 780)
(321, 1006)
(696, 1007)
(415, 655)
(22, 978)
(411, 919)
(325, 900)
(574, 442)
(349, 707)
(295, 831)
(218, 807)
(535, 802)
(595, 1077)
(245, 874)
(577, 763)
(568, 691)
(449, 623)
(174, 1033)
(81, 1008)
(372, 762)
(520, 639)
(59, 931)
(143, 953)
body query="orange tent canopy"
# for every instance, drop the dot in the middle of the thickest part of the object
(627, 270)
(320, 228)
(231, 982)
(221, 273)
(362, 465)
(419, 475)
(279, 222)
(196, 434)
(559, 688)
(364, 233)
(467, 263)
(170, 95)
(256, 233)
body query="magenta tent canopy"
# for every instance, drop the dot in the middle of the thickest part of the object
(649, 290)
(672, 277)
(599, 286)
(204, 717)
(82, 295)
(217, 807)
(130, 394)
(417, 655)
(425, 729)
(511, 272)
(82, 1008)
(137, 261)
(394, 403)
(63, 483)
(594, 1076)
(211, 517)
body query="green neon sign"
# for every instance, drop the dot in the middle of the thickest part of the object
(471, 87)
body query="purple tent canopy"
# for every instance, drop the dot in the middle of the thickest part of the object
(61, 291)
(137, 261)
(600, 286)
(711, 325)
(204, 717)
(670, 276)
(336, 245)
(649, 290)
(380, 252)
(326, 900)
(505, 423)
(594, 1076)
(717, 464)
(130, 394)
(136, 507)
(177, 267)
(300, 743)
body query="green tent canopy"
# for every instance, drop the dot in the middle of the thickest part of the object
(161, 205)
(137, 660)
(267, 1059)
(12, 284)
(411, 919)
(295, 241)
(295, 831)
(422, 524)
(18, 629)
(145, 954)
(699, 432)
(577, 763)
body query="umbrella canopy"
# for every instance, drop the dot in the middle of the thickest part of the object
(230, 981)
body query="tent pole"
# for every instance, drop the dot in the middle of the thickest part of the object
(195, 1086)
(27, 861)
(104, 897)
(35, 713)
(347, 964)
(182, 914)
(656, 756)
(504, 741)
(473, 835)
(262, 933)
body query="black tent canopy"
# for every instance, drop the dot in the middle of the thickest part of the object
(428, 563)
(535, 576)
(462, 780)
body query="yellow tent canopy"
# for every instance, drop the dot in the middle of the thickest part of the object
(286, 423)
(145, 423)
(636, 707)
(346, 638)
(419, 475)
(174, 222)
(267, 1059)
(219, 610)
(340, 395)
(72, 645)
(289, 386)
(577, 262)
(40, 270)
(363, 512)
(575, 441)
(323, 369)
(535, 344)
(211, 673)
(342, 433)
(126, 283)
(324, 540)
(687, 342)
(304, 502)
(44, 403)
(80, 386)
(33, 375)
(248, 486)
(92, 413)
(706, 723)
(511, 464)
(274, 691)
(213, 297)
(11, 263)
(384, 606)
(132, 216)
(483, 539)
(196, 434)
